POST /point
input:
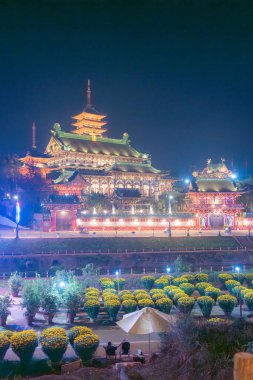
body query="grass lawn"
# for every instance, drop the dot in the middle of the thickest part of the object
(28, 246)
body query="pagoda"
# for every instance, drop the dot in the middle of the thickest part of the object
(90, 121)
(212, 197)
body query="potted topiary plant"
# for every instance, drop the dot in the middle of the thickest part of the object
(148, 282)
(49, 303)
(15, 284)
(75, 331)
(72, 300)
(92, 307)
(185, 304)
(85, 346)
(129, 305)
(54, 342)
(112, 307)
(206, 304)
(164, 304)
(30, 301)
(5, 303)
(227, 303)
(23, 344)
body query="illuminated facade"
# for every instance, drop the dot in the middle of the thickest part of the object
(213, 196)
(85, 160)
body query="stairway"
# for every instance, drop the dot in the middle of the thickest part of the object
(245, 242)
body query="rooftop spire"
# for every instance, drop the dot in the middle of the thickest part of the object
(34, 136)
(88, 94)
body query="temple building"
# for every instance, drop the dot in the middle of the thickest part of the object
(212, 197)
(85, 160)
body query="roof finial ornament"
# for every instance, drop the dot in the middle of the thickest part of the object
(88, 94)
(222, 160)
(209, 161)
(34, 136)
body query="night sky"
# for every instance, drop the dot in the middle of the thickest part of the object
(176, 75)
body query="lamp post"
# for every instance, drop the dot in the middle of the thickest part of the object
(168, 269)
(117, 276)
(239, 293)
(17, 215)
(169, 216)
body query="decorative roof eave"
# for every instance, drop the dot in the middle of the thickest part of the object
(88, 116)
(117, 168)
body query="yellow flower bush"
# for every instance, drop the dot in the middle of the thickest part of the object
(160, 283)
(201, 287)
(179, 280)
(74, 332)
(129, 306)
(119, 282)
(156, 291)
(4, 341)
(112, 303)
(55, 342)
(52, 332)
(171, 290)
(164, 305)
(140, 296)
(248, 299)
(106, 283)
(113, 291)
(85, 346)
(92, 308)
(185, 304)
(145, 302)
(157, 296)
(178, 295)
(112, 307)
(201, 277)
(230, 284)
(125, 297)
(4, 345)
(187, 288)
(23, 344)
(148, 281)
(227, 303)
(7, 333)
(92, 290)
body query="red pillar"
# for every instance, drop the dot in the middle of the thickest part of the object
(73, 220)
(53, 220)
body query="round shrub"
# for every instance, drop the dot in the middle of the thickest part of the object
(4, 345)
(178, 295)
(106, 283)
(85, 346)
(201, 277)
(75, 331)
(160, 283)
(110, 296)
(92, 308)
(164, 305)
(109, 290)
(179, 280)
(54, 347)
(119, 283)
(125, 297)
(201, 287)
(187, 288)
(171, 290)
(212, 292)
(92, 289)
(185, 304)
(148, 281)
(227, 303)
(206, 304)
(137, 291)
(52, 331)
(248, 278)
(23, 344)
(112, 307)
(248, 299)
(124, 292)
(7, 333)
(223, 277)
(230, 284)
(157, 296)
(145, 302)
(129, 306)
(190, 277)
(236, 290)
(156, 291)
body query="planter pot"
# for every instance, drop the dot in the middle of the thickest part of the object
(55, 356)
(25, 355)
(71, 317)
(3, 320)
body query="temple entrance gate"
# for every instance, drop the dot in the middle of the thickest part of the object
(64, 220)
(216, 221)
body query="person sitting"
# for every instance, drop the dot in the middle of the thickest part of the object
(110, 350)
(139, 357)
(125, 348)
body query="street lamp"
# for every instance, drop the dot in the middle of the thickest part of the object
(168, 269)
(169, 226)
(117, 276)
(237, 269)
(17, 215)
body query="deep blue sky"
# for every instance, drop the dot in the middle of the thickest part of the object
(176, 75)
